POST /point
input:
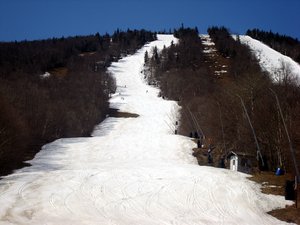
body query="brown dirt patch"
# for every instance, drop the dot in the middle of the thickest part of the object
(275, 185)
(116, 113)
(59, 72)
(289, 214)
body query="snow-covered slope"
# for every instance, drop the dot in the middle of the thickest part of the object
(132, 171)
(272, 61)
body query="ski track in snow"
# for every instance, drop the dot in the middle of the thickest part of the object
(131, 171)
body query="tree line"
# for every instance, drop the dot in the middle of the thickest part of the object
(37, 108)
(218, 106)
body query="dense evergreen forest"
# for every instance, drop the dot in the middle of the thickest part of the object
(56, 88)
(284, 44)
(213, 105)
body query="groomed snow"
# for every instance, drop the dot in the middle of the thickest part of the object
(271, 60)
(133, 171)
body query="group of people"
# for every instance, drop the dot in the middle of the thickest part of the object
(200, 145)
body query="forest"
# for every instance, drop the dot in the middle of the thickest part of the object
(56, 88)
(216, 107)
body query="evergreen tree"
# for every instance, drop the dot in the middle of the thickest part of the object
(146, 57)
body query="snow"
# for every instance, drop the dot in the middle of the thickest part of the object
(209, 45)
(132, 171)
(271, 60)
(221, 71)
(206, 40)
(45, 75)
(208, 51)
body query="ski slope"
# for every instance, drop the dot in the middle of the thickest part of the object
(272, 61)
(132, 171)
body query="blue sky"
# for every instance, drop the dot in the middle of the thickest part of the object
(39, 19)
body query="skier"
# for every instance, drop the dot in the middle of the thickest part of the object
(199, 144)
(209, 155)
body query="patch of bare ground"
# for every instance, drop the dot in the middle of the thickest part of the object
(202, 154)
(118, 114)
(289, 214)
(217, 64)
(59, 71)
(275, 185)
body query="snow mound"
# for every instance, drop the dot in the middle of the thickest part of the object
(45, 75)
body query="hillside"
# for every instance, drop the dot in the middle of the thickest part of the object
(283, 71)
(272, 61)
(282, 43)
(56, 88)
(209, 96)
(214, 105)
(132, 171)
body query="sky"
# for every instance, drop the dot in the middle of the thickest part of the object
(41, 19)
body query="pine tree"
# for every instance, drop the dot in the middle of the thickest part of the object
(146, 57)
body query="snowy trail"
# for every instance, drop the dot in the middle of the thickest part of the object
(272, 61)
(132, 171)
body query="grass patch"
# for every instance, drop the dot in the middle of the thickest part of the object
(271, 184)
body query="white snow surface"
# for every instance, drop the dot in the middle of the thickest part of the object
(131, 171)
(271, 60)
(45, 75)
